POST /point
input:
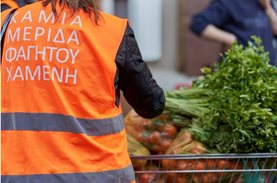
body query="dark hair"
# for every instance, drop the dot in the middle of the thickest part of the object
(88, 6)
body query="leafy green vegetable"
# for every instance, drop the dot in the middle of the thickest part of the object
(242, 113)
(184, 104)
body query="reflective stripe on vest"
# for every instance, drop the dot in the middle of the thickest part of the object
(59, 118)
(56, 122)
(120, 176)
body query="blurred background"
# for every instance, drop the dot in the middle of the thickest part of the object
(173, 53)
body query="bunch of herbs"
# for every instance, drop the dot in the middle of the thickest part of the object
(184, 104)
(242, 115)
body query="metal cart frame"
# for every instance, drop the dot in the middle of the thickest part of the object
(246, 168)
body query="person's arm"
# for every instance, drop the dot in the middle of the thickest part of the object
(270, 12)
(207, 23)
(215, 34)
(135, 79)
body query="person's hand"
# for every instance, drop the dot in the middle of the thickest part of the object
(230, 39)
(271, 14)
(266, 4)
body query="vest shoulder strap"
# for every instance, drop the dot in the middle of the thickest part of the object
(4, 28)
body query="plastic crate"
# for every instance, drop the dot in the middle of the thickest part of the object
(225, 168)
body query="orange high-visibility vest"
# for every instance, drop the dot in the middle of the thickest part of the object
(59, 119)
(10, 3)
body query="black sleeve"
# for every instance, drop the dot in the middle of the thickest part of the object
(215, 14)
(135, 79)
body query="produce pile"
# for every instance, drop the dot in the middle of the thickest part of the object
(231, 108)
(155, 134)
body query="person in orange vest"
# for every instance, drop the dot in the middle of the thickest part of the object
(6, 4)
(64, 64)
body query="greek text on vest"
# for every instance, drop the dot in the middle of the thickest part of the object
(48, 53)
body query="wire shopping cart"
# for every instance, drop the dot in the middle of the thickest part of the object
(207, 168)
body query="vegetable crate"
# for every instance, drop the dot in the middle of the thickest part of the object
(207, 168)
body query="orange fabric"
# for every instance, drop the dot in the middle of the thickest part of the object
(10, 3)
(93, 58)
(4, 15)
(56, 152)
(64, 67)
